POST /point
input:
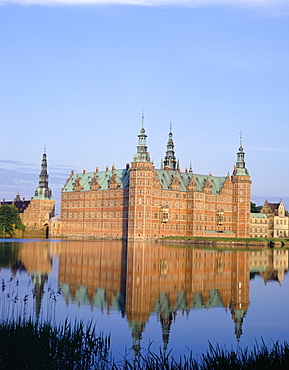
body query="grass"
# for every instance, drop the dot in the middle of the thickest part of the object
(269, 241)
(30, 345)
(205, 238)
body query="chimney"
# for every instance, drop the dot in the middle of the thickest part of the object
(186, 170)
(112, 168)
(127, 166)
(106, 168)
(96, 169)
(167, 168)
(84, 171)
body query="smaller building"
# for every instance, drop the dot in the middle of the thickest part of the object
(259, 225)
(19, 203)
(278, 219)
(55, 227)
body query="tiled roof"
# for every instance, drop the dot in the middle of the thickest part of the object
(166, 178)
(103, 177)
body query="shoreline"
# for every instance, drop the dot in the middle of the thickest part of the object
(210, 242)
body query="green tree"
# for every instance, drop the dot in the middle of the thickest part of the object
(254, 208)
(9, 220)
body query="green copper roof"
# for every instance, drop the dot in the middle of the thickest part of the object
(166, 178)
(258, 215)
(215, 299)
(103, 179)
(122, 178)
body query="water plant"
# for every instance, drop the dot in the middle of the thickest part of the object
(30, 345)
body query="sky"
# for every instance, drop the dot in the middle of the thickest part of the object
(76, 77)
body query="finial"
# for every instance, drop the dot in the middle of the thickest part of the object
(142, 118)
(240, 133)
(170, 126)
(44, 149)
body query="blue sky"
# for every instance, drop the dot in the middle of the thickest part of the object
(76, 75)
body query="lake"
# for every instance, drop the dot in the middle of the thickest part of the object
(148, 294)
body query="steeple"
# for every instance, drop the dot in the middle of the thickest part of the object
(170, 159)
(166, 319)
(43, 191)
(240, 168)
(238, 317)
(142, 154)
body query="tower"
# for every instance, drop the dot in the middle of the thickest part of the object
(43, 191)
(240, 285)
(170, 159)
(42, 206)
(140, 194)
(241, 195)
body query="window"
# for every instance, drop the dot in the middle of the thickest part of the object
(164, 215)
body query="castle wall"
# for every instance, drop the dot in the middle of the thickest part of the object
(146, 210)
(95, 214)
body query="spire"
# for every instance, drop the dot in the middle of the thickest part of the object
(43, 191)
(137, 329)
(142, 154)
(166, 319)
(39, 279)
(240, 164)
(241, 147)
(238, 316)
(142, 120)
(170, 159)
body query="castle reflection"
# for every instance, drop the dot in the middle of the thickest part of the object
(143, 279)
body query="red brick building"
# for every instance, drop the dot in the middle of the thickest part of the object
(141, 202)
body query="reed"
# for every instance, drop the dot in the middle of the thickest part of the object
(30, 345)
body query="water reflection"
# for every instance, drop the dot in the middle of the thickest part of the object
(141, 280)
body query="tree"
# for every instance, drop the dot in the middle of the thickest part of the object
(254, 208)
(9, 220)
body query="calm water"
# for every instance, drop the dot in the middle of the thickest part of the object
(138, 293)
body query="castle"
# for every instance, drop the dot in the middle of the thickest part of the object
(142, 202)
(36, 213)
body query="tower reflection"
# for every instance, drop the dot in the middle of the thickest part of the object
(140, 279)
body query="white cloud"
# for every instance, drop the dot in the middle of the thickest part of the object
(186, 3)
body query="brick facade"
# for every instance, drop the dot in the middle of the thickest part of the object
(142, 202)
